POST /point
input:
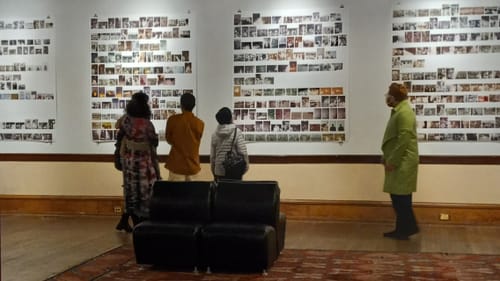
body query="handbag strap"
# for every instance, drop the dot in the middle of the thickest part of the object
(232, 143)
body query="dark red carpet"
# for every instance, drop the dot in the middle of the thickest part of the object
(119, 264)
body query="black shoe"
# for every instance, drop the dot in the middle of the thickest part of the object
(396, 235)
(388, 234)
(415, 230)
(136, 219)
(123, 224)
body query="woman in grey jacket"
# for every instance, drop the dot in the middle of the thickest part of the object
(222, 141)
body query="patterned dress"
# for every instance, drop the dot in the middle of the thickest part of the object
(138, 160)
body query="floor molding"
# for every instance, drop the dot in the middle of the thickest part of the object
(320, 210)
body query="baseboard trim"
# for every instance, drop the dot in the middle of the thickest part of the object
(373, 211)
(319, 210)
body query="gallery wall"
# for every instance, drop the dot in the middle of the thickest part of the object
(369, 25)
(369, 74)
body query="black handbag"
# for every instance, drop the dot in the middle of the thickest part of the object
(234, 163)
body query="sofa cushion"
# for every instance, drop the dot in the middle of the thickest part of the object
(186, 202)
(246, 202)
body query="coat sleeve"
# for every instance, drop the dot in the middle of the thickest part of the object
(405, 127)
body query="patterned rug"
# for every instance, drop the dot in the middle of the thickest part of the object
(119, 264)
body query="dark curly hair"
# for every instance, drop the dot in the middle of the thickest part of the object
(138, 106)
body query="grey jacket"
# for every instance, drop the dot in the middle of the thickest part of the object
(221, 144)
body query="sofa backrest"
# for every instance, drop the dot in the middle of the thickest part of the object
(181, 201)
(246, 202)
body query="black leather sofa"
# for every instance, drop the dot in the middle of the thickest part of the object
(231, 226)
(245, 232)
(171, 236)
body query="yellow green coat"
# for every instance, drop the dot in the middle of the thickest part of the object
(400, 149)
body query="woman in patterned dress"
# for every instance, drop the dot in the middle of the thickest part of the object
(139, 161)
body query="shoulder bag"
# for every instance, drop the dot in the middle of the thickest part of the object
(234, 163)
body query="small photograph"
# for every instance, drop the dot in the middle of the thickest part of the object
(305, 137)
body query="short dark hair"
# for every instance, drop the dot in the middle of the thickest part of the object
(188, 101)
(398, 91)
(224, 116)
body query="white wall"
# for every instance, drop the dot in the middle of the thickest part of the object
(369, 64)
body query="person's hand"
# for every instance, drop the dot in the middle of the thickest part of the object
(389, 167)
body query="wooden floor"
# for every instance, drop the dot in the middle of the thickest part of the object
(34, 248)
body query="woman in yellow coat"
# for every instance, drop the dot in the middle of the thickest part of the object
(400, 159)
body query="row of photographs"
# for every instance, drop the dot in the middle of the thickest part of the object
(103, 135)
(27, 95)
(425, 36)
(142, 35)
(448, 73)
(156, 103)
(22, 67)
(289, 114)
(118, 94)
(447, 10)
(135, 80)
(45, 138)
(29, 124)
(323, 91)
(24, 42)
(118, 69)
(24, 51)
(284, 30)
(126, 93)
(442, 87)
(276, 126)
(108, 119)
(442, 110)
(271, 110)
(137, 57)
(446, 137)
(12, 86)
(145, 34)
(305, 102)
(292, 126)
(292, 66)
(126, 22)
(258, 19)
(338, 137)
(22, 24)
(287, 54)
(291, 42)
(445, 123)
(408, 63)
(127, 46)
(447, 50)
(10, 77)
(449, 23)
(454, 98)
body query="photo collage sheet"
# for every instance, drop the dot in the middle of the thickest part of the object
(448, 56)
(27, 80)
(290, 75)
(153, 54)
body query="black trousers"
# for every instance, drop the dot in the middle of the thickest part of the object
(406, 222)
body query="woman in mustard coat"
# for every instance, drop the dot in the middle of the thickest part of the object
(400, 159)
